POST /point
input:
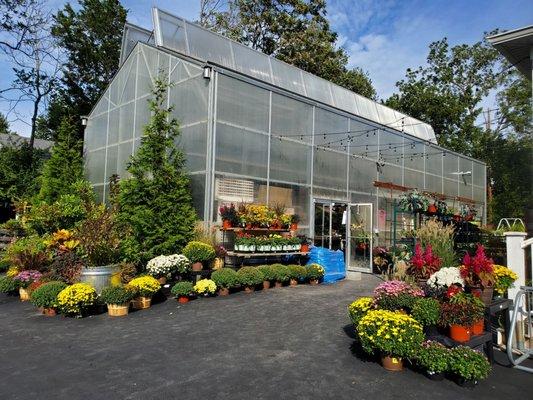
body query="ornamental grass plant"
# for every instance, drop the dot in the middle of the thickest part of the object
(441, 238)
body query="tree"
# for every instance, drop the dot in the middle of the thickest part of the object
(91, 36)
(17, 24)
(155, 204)
(4, 125)
(294, 31)
(65, 166)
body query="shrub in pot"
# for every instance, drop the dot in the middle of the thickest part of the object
(468, 365)
(45, 296)
(359, 308)
(118, 300)
(75, 299)
(8, 285)
(182, 291)
(396, 295)
(198, 253)
(225, 279)
(393, 334)
(281, 274)
(24, 279)
(144, 288)
(249, 277)
(433, 358)
(268, 275)
(296, 273)
(205, 287)
(426, 310)
(315, 272)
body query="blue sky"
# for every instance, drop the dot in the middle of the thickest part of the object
(384, 37)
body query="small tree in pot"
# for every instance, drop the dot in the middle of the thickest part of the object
(297, 273)
(249, 277)
(183, 291)
(226, 279)
(118, 300)
(199, 253)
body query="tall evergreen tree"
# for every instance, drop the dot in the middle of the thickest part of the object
(155, 203)
(65, 166)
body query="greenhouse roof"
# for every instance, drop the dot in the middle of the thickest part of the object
(179, 35)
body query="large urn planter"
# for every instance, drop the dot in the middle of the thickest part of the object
(141, 303)
(24, 294)
(460, 333)
(118, 310)
(101, 277)
(392, 363)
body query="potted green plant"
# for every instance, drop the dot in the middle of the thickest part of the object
(144, 288)
(183, 291)
(163, 267)
(469, 366)
(281, 274)
(394, 335)
(118, 300)
(315, 273)
(268, 275)
(460, 313)
(249, 277)
(426, 310)
(225, 279)
(229, 216)
(304, 244)
(45, 297)
(413, 202)
(199, 253)
(8, 285)
(296, 273)
(434, 359)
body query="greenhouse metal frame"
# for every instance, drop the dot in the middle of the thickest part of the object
(255, 129)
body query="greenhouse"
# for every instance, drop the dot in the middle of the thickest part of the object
(257, 130)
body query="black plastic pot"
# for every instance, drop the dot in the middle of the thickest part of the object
(435, 376)
(466, 383)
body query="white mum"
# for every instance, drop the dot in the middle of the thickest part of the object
(445, 277)
(165, 265)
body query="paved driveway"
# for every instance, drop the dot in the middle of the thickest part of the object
(289, 343)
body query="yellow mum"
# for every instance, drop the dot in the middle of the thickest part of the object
(205, 286)
(74, 298)
(145, 286)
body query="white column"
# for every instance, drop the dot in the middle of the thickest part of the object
(515, 259)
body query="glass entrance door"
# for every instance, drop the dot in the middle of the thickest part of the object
(359, 232)
(330, 224)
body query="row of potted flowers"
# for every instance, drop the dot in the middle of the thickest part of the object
(247, 243)
(257, 216)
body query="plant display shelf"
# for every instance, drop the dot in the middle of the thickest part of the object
(240, 257)
(262, 230)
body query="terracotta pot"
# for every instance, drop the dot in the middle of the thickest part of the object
(460, 333)
(313, 282)
(49, 312)
(293, 282)
(226, 224)
(24, 294)
(432, 209)
(304, 248)
(197, 266)
(223, 292)
(293, 227)
(266, 285)
(141, 303)
(249, 289)
(278, 284)
(183, 299)
(118, 310)
(478, 327)
(392, 363)
(484, 294)
(162, 280)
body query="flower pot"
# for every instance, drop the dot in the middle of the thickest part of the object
(313, 282)
(118, 310)
(183, 299)
(278, 284)
(49, 312)
(293, 282)
(432, 209)
(460, 333)
(266, 285)
(223, 292)
(304, 248)
(100, 277)
(141, 303)
(226, 224)
(466, 383)
(478, 327)
(435, 376)
(294, 227)
(249, 289)
(197, 266)
(24, 294)
(392, 363)
(162, 280)
(484, 294)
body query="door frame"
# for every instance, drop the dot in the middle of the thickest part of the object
(330, 203)
(349, 238)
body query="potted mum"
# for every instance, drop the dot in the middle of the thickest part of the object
(396, 295)
(393, 334)
(162, 267)
(118, 299)
(444, 278)
(296, 273)
(268, 275)
(478, 274)
(503, 279)
(144, 288)
(359, 308)
(315, 273)
(469, 366)
(45, 297)
(183, 291)
(205, 287)
(434, 359)
(426, 310)
(225, 279)
(75, 299)
(25, 279)
(249, 277)
(281, 274)
(199, 254)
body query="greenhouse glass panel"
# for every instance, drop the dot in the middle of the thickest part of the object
(363, 173)
(290, 161)
(125, 123)
(295, 198)
(413, 179)
(479, 194)
(317, 88)
(287, 77)
(229, 189)
(330, 194)
(112, 136)
(291, 117)
(97, 127)
(125, 150)
(434, 183)
(142, 116)
(478, 174)
(170, 31)
(364, 139)
(330, 129)
(133, 34)
(189, 100)
(451, 166)
(329, 169)
(450, 187)
(413, 154)
(390, 173)
(251, 62)
(367, 108)
(204, 45)
(391, 148)
(95, 164)
(193, 141)
(433, 160)
(198, 193)
(144, 77)
(111, 164)
(344, 99)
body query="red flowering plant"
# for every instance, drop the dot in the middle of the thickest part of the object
(424, 263)
(478, 270)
